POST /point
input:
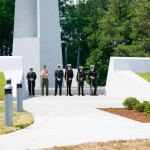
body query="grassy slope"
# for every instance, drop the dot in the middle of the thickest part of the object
(20, 120)
(114, 145)
(145, 76)
(2, 84)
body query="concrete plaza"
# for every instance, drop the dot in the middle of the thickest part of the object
(73, 120)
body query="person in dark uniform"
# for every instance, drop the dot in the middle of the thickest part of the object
(82, 78)
(69, 74)
(31, 77)
(92, 78)
(59, 74)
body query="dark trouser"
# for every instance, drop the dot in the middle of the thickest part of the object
(95, 87)
(58, 83)
(45, 83)
(81, 85)
(31, 88)
(69, 87)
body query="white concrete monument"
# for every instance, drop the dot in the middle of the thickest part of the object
(12, 68)
(122, 80)
(37, 36)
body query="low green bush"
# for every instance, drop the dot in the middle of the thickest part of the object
(133, 103)
(147, 110)
(130, 102)
(141, 106)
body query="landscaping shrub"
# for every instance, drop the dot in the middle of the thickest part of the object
(130, 102)
(141, 106)
(147, 110)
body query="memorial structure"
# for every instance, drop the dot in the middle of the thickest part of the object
(37, 36)
(122, 79)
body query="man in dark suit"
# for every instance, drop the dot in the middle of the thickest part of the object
(31, 77)
(69, 74)
(58, 80)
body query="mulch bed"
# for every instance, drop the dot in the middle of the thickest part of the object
(131, 114)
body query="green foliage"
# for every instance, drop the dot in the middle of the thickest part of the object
(147, 110)
(6, 26)
(140, 107)
(78, 22)
(2, 84)
(133, 103)
(130, 102)
(140, 33)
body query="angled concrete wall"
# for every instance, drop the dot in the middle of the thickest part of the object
(122, 80)
(12, 67)
(37, 36)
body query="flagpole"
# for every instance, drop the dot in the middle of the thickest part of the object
(78, 68)
(66, 84)
(91, 87)
(78, 85)
(66, 70)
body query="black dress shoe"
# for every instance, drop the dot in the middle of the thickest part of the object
(54, 94)
(70, 95)
(83, 95)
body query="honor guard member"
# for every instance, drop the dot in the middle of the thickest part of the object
(69, 78)
(59, 74)
(92, 77)
(82, 78)
(44, 74)
(31, 77)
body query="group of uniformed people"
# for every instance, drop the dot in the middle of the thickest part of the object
(59, 75)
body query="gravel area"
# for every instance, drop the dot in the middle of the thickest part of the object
(131, 114)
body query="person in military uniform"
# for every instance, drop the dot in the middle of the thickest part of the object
(69, 74)
(59, 74)
(82, 78)
(92, 78)
(45, 82)
(31, 77)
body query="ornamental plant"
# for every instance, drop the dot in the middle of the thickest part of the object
(130, 102)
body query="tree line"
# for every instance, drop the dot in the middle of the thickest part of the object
(102, 28)
(105, 28)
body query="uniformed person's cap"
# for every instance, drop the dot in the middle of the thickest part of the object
(31, 68)
(80, 67)
(92, 66)
(58, 65)
(69, 65)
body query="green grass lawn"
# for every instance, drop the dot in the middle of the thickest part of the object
(145, 76)
(2, 84)
(20, 120)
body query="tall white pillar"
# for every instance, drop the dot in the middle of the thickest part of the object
(37, 36)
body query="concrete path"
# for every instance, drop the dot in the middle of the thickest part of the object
(72, 120)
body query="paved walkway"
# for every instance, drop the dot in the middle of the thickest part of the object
(72, 120)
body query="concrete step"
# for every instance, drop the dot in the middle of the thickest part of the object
(100, 91)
